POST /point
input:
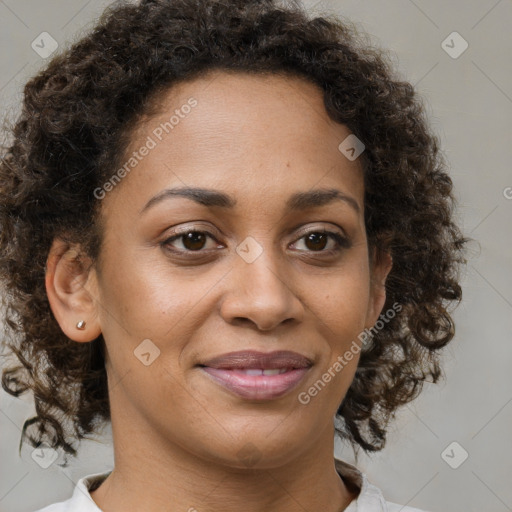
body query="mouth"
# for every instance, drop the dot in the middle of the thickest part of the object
(256, 375)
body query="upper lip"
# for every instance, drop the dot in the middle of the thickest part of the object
(252, 359)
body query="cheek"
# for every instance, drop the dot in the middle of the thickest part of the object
(144, 295)
(146, 300)
(343, 302)
(341, 308)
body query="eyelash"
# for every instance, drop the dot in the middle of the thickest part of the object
(341, 241)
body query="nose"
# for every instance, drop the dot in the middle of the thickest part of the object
(260, 294)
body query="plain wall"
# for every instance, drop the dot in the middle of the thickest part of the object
(470, 105)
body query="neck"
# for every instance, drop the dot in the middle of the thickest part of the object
(153, 474)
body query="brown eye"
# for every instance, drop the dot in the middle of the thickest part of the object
(191, 241)
(316, 241)
(194, 240)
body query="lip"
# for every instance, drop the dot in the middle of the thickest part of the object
(251, 359)
(228, 371)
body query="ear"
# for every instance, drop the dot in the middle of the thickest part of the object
(382, 262)
(71, 287)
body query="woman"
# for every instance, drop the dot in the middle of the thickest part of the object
(227, 229)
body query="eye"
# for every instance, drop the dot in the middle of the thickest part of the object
(317, 241)
(191, 241)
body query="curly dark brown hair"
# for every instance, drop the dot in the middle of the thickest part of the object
(77, 118)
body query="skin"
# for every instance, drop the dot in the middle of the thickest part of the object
(177, 434)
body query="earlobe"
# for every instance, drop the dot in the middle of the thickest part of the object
(71, 285)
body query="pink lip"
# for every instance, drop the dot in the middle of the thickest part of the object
(246, 359)
(257, 387)
(226, 370)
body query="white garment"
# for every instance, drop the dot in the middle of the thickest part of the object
(370, 498)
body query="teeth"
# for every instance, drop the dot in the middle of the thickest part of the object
(253, 372)
(257, 371)
(276, 371)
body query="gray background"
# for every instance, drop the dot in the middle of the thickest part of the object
(470, 105)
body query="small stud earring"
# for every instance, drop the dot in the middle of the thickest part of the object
(80, 325)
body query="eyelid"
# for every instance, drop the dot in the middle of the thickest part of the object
(181, 230)
(209, 230)
(341, 240)
(314, 229)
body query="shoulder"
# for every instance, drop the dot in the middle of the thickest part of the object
(81, 500)
(369, 497)
(62, 506)
(394, 507)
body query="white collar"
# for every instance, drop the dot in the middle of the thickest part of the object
(369, 498)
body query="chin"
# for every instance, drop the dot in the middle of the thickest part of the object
(256, 449)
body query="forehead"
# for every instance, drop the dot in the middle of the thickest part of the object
(245, 133)
(237, 105)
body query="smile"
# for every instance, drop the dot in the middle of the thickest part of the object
(255, 383)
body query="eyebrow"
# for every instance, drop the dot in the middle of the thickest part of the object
(215, 198)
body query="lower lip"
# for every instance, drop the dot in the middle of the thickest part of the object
(257, 387)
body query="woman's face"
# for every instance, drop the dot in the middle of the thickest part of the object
(254, 273)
